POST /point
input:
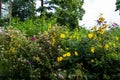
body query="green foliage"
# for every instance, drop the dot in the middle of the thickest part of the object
(34, 57)
(57, 53)
(117, 5)
(100, 53)
(3, 22)
(23, 9)
(32, 27)
(11, 53)
(68, 11)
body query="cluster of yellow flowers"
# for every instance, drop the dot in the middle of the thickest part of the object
(68, 54)
(99, 30)
(74, 35)
(101, 19)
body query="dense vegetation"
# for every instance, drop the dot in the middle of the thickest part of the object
(53, 47)
(42, 50)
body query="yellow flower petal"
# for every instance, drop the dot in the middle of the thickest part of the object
(76, 53)
(68, 54)
(12, 50)
(106, 46)
(102, 31)
(105, 25)
(92, 61)
(117, 38)
(53, 41)
(64, 55)
(62, 35)
(94, 28)
(90, 35)
(59, 59)
(92, 49)
(101, 19)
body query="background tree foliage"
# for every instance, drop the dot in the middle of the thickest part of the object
(2, 1)
(23, 9)
(117, 5)
(66, 12)
(2, 20)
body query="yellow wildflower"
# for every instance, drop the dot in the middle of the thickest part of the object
(49, 26)
(92, 60)
(95, 37)
(12, 49)
(92, 49)
(46, 33)
(59, 59)
(117, 38)
(36, 58)
(106, 46)
(105, 25)
(68, 54)
(90, 35)
(64, 55)
(102, 31)
(76, 53)
(67, 48)
(53, 41)
(101, 19)
(62, 35)
(94, 28)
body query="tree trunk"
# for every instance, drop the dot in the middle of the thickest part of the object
(42, 2)
(0, 8)
(10, 12)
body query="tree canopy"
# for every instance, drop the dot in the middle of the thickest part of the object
(23, 8)
(66, 12)
(117, 5)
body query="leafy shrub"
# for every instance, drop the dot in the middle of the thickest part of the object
(35, 57)
(15, 54)
(99, 53)
(58, 53)
(32, 27)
